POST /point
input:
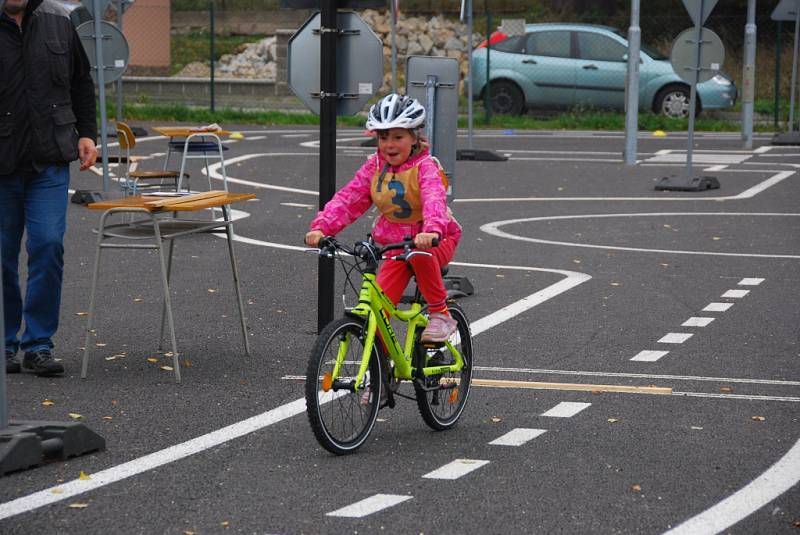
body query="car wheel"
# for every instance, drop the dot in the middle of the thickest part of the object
(673, 101)
(507, 98)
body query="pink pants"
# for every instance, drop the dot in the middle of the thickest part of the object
(394, 275)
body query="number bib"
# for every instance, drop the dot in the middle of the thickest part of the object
(397, 195)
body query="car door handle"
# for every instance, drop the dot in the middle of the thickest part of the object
(590, 67)
(530, 61)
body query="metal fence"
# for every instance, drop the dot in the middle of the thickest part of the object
(543, 70)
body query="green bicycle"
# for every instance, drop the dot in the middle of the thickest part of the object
(357, 363)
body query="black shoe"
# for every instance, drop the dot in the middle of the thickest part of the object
(42, 363)
(12, 364)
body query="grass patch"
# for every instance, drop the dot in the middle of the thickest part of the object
(573, 120)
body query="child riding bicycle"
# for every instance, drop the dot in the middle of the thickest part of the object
(407, 185)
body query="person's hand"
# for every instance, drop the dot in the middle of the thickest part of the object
(313, 237)
(87, 152)
(424, 240)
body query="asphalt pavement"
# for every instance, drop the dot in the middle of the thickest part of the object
(636, 356)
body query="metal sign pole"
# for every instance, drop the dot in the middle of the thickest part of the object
(394, 44)
(120, 101)
(748, 76)
(467, 9)
(213, 52)
(327, 147)
(632, 87)
(101, 87)
(693, 93)
(793, 86)
(487, 93)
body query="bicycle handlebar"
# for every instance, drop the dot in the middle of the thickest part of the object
(368, 250)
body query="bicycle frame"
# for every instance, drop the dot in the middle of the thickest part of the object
(376, 308)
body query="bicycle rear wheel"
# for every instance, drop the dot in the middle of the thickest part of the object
(342, 416)
(442, 407)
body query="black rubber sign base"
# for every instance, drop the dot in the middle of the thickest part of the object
(25, 443)
(682, 183)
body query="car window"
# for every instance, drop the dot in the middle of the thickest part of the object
(596, 47)
(515, 44)
(554, 44)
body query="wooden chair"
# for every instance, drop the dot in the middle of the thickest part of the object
(131, 179)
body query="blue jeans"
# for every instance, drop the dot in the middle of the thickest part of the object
(35, 203)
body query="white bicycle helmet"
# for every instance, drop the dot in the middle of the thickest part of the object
(395, 111)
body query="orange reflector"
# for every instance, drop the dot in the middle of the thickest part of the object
(453, 396)
(327, 382)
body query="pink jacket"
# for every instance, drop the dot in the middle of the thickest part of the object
(354, 199)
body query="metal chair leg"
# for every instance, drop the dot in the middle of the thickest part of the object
(92, 293)
(168, 302)
(229, 233)
(163, 301)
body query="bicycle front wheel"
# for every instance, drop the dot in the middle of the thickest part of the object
(342, 414)
(442, 398)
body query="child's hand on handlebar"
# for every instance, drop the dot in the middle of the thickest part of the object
(425, 240)
(313, 238)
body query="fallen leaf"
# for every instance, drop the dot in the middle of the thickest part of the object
(83, 476)
(108, 417)
(112, 357)
(697, 428)
(716, 238)
(576, 261)
(636, 488)
(613, 420)
(75, 415)
(152, 359)
(57, 490)
(100, 344)
(495, 419)
(167, 368)
(188, 532)
(758, 418)
(251, 302)
(500, 276)
(665, 265)
(597, 391)
(81, 313)
(137, 299)
(667, 226)
(168, 354)
(560, 188)
(48, 403)
(725, 389)
(78, 505)
(187, 363)
(114, 401)
(380, 420)
(615, 284)
(225, 524)
(212, 290)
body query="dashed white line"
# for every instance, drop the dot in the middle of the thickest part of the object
(695, 321)
(370, 505)
(735, 294)
(750, 281)
(456, 469)
(517, 437)
(675, 338)
(649, 356)
(717, 307)
(566, 409)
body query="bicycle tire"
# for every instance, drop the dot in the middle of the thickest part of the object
(342, 419)
(438, 413)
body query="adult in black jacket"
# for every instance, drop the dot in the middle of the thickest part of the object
(47, 120)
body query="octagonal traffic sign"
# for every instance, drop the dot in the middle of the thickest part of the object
(359, 63)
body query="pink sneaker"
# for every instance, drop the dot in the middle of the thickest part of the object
(440, 327)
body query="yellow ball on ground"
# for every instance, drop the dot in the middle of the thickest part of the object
(236, 135)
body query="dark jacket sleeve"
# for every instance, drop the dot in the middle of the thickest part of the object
(82, 91)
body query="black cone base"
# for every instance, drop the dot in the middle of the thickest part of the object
(25, 444)
(683, 183)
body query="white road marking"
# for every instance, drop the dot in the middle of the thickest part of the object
(779, 478)
(494, 230)
(566, 409)
(700, 158)
(305, 134)
(297, 205)
(370, 505)
(717, 307)
(695, 321)
(763, 149)
(746, 397)
(714, 168)
(255, 138)
(649, 356)
(152, 460)
(517, 437)
(456, 469)
(543, 371)
(750, 281)
(675, 338)
(747, 194)
(735, 294)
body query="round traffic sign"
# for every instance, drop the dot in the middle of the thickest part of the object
(115, 51)
(684, 55)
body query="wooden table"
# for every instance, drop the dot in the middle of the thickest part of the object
(157, 223)
(198, 142)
